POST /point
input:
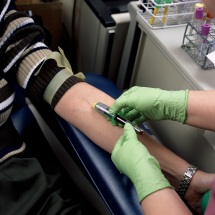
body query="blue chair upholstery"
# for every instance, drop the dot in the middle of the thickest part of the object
(115, 189)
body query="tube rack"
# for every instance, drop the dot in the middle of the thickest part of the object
(176, 13)
(194, 49)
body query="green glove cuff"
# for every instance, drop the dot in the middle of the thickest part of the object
(175, 105)
(150, 183)
(149, 178)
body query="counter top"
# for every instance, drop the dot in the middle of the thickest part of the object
(169, 40)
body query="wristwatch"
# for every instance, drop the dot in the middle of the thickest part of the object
(185, 181)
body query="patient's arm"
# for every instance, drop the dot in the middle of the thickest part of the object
(76, 106)
(200, 109)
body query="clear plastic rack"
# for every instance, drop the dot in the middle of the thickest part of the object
(167, 13)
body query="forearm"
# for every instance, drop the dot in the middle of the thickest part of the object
(165, 201)
(200, 109)
(76, 106)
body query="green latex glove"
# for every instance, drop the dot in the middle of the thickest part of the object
(133, 159)
(153, 104)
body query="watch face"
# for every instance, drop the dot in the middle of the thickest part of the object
(189, 173)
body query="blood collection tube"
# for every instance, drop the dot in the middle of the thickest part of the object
(199, 15)
(197, 5)
(205, 29)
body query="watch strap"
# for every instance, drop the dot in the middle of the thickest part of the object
(185, 181)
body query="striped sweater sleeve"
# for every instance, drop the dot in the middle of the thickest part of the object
(22, 51)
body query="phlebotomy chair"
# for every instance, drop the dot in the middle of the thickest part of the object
(89, 166)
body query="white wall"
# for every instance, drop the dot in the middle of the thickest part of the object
(68, 8)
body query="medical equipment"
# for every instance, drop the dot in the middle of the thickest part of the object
(200, 43)
(104, 110)
(167, 13)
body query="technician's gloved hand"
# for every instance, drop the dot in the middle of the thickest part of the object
(133, 159)
(153, 104)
